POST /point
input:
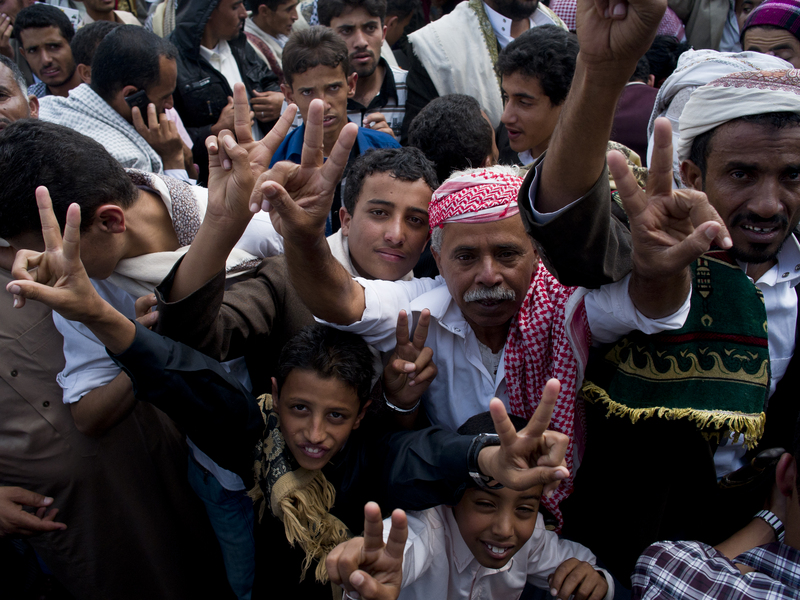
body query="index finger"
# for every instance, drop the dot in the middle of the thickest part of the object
(277, 134)
(540, 420)
(398, 534)
(312, 139)
(421, 332)
(373, 528)
(51, 231)
(241, 114)
(71, 247)
(659, 177)
(401, 333)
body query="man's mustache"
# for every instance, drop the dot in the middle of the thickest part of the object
(498, 293)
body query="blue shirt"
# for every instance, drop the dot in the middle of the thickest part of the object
(292, 147)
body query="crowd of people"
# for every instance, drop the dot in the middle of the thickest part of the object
(399, 299)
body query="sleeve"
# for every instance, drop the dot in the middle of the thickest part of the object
(224, 324)
(583, 244)
(420, 92)
(695, 571)
(220, 416)
(424, 468)
(260, 238)
(548, 551)
(383, 302)
(612, 314)
(419, 549)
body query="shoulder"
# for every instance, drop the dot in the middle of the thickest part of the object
(367, 138)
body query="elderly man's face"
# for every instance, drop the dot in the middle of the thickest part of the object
(774, 42)
(753, 180)
(14, 104)
(488, 269)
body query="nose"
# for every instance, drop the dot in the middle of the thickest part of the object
(502, 525)
(508, 114)
(395, 233)
(242, 11)
(488, 275)
(766, 202)
(316, 430)
(359, 39)
(46, 58)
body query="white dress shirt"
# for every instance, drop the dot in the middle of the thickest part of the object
(502, 25)
(437, 562)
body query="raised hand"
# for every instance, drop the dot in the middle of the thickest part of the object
(301, 195)
(162, 135)
(410, 369)
(532, 456)
(56, 278)
(15, 521)
(617, 30)
(670, 228)
(365, 564)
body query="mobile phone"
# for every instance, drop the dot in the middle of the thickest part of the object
(139, 99)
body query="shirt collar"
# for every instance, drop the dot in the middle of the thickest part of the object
(221, 50)
(788, 267)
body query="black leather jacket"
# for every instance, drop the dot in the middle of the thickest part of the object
(202, 91)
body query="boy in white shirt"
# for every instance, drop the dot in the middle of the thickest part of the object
(489, 545)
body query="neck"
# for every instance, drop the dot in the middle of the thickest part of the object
(149, 227)
(755, 271)
(368, 87)
(493, 337)
(70, 84)
(101, 16)
(209, 40)
(330, 137)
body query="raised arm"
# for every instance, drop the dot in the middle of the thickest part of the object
(301, 196)
(613, 35)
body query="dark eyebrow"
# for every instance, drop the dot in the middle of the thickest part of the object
(381, 202)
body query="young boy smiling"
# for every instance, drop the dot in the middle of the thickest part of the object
(316, 65)
(490, 544)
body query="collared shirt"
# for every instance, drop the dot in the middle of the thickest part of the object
(730, 41)
(502, 25)
(464, 386)
(696, 571)
(437, 563)
(389, 101)
(38, 89)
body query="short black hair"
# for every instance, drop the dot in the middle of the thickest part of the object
(88, 37)
(19, 78)
(309, 48)
(663, 56)
(453, 133)
(73, 167)
(642, 71)
(701, 145)
(401, 8)
(39, 16)
(547, 53)
(329, 352)
(273, 5)
(327, 10)
(405, 164)
(482, 423)
(129, 55)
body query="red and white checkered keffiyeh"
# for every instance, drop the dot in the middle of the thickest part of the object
(478, 197)
(538, 347)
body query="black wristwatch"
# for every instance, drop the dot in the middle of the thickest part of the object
(479, 442)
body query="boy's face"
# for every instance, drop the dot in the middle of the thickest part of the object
(495, 524)
(528, 114)
(330, 85)
(317, 415)
(389, 228)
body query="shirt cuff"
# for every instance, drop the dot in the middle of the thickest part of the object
(609, 581)
(538, 217)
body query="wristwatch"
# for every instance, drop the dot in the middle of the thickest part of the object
(773, 521)
(479, 442)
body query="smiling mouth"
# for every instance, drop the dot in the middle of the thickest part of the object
(497, 552)
(760, 229)
(314, 451)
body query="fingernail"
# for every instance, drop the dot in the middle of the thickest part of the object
(48, 500)
(710, 234)
(356, 579)
(412, 383)
(228, 141)
(266, 206)
(13, 289)
(226, 164)
(553, 592)
(619, 10)
(254, 208)
(270, 191)
(727, 242)
(213, 147)
(549, 494)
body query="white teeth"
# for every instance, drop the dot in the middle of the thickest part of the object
(496, 549)
(314, 450)
(758, 229)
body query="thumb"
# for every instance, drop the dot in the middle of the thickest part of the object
(230, 101)
(28, 498)
(693, 246)
(274, 196)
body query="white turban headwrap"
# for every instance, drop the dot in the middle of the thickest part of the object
(735, 96)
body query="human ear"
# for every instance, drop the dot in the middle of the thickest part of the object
(85, 73)
(351, 85)
(345, 218)
(691, 175)
(110, 218)
(33, 105)
(361, 414)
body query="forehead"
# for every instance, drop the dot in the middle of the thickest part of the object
(35, 36)
(759, 144)
(508, 495)
(354, 16)
(8, 82)
(321, 75)
(404, 194)
(519, 83)
(486, 236)
(769, 37)
(322, 392)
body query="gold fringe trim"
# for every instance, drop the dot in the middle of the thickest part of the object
(751, 427)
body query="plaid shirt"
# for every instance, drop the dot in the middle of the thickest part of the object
(692, 570)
